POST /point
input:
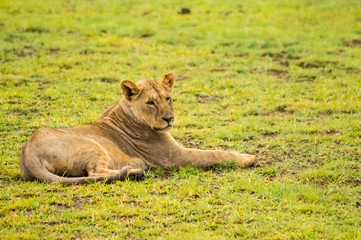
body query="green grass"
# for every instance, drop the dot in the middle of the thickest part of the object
(279, 79)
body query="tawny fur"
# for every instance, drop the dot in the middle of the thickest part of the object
(129, 137)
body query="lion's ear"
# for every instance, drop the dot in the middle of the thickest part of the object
(168, 81)
(129, 89)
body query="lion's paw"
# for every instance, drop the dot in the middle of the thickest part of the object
(136, 174)
(248, 160)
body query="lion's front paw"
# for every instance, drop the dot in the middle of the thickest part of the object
(247, 160)
(136, 174)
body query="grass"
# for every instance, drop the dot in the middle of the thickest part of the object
(278, 79)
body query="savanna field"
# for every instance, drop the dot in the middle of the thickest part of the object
(278, 79)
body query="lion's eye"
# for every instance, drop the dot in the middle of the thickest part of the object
(168, 99)
(151, 103)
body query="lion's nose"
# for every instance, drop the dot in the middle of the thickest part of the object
(168, 120)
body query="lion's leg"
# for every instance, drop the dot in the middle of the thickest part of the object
(206, 158)
(131, 174)
(100, 171)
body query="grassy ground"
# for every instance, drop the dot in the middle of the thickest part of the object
(279, 79)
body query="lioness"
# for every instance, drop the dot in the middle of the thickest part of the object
(129, 137)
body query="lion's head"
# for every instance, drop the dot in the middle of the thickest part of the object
(151, 101)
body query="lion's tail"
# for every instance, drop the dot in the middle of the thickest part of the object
(31, 169)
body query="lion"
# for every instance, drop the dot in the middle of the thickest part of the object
(128, 138)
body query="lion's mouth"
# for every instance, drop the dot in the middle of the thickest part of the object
(164, 128)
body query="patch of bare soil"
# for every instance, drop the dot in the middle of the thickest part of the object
(146, 35)
(352, 43)
(353, 70)
(282, 56)
(125, 219)
(26, 51)
(206, 99)
(60, 206)
(218, 70)
(184, 11)
(86, 52)
(79, 201)
(269, 134)
(325, 113)
(54, 223)
(165, 176)
(131, 203)
(337, 52)
(38, 30)
(101, 79)
(316, 64)
(190, 142)
(329, 132)
(279, 112)
(305, 79)
(352, 182)
(277, 72)
(52, 51)
(4, 182)
(325, 182)
(282, 109)
(26, 195)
